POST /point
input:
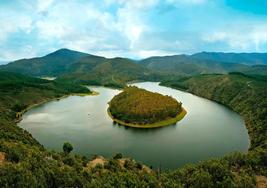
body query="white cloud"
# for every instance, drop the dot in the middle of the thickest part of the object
(43, 5)
(12, 24)
(187, 2)
(130, 28)
(240, 39)
(14, 54)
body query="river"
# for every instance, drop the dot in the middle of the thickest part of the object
(208, 130)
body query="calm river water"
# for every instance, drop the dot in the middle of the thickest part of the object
(208, 130)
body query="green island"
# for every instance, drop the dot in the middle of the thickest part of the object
(139, 108)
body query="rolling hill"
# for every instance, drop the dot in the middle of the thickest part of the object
(190, 65)
(96, 70)
(52, 64)
(80, 67)
(243, 58)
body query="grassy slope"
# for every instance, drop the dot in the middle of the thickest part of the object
(27, 164)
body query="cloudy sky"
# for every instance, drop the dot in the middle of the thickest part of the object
(131, 28)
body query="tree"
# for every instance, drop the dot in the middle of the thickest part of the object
(118, 156)
(67, 147)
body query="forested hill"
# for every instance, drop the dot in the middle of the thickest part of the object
(243, 58)
(80, 67)
(196, 64)
(114, 72)
(52, 64)
(244, 94)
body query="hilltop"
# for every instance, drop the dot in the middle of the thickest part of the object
(83, 68)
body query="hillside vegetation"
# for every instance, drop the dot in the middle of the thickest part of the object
(246, 95)
(244, 58)
(139, 106)
(52, 64)
(18, 92)
(102, 71)
(185, 65)
(25, 163)
(82, 68)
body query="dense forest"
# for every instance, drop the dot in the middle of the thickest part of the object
(139, 106)
(25, 163)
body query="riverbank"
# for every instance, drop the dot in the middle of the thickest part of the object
(233, 91)
(20, 114)
(159, 124)
(247, 124)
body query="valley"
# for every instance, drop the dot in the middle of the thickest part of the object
(243, 93)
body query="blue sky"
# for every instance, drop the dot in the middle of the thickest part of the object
(131, 28)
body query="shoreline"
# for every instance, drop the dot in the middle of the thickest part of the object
(159, 124)
(218, 102)
(20, 114)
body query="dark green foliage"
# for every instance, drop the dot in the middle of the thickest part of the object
(135, 105)
(118, 156)
(67, 147)
(139, 166)
(112, 165)
(129, 164)
(19, 107)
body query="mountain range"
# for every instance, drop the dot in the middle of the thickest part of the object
(86, 68)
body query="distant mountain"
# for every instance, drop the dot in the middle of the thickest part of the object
(75, 66)
(181, 64)
(243, 58)
(80, 67)
(52, 64)
(113, 72)
(191, 65)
